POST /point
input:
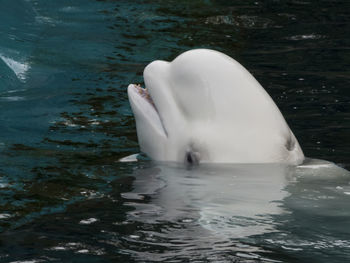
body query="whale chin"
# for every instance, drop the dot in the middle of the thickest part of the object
(150, 131)
(204, 107)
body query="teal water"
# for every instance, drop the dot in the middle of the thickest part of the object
(66, 121)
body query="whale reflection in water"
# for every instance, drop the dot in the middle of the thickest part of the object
(229, 203)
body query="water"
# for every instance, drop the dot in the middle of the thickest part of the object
(66, 121)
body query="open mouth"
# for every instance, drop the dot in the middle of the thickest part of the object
(145, 94)
(143, 105)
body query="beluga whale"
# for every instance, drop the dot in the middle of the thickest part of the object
(205, 107)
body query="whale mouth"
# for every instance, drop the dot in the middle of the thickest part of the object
(145, 94)
(144, 106)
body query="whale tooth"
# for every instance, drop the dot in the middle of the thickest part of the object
(144, 94)
(139, 89)
(149, 98)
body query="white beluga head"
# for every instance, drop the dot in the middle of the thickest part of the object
(205, 107)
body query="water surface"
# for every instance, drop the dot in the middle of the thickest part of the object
(66, 121)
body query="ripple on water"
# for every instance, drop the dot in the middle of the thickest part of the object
(64, 195)
(305, 37)
(88, 221)
(19, 68)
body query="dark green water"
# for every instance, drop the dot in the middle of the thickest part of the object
(66, 121)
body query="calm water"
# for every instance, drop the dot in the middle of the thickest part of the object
(66, 121)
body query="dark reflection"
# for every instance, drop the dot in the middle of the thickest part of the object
(87, 229)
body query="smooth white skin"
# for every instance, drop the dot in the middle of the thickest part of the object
(210, 106)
